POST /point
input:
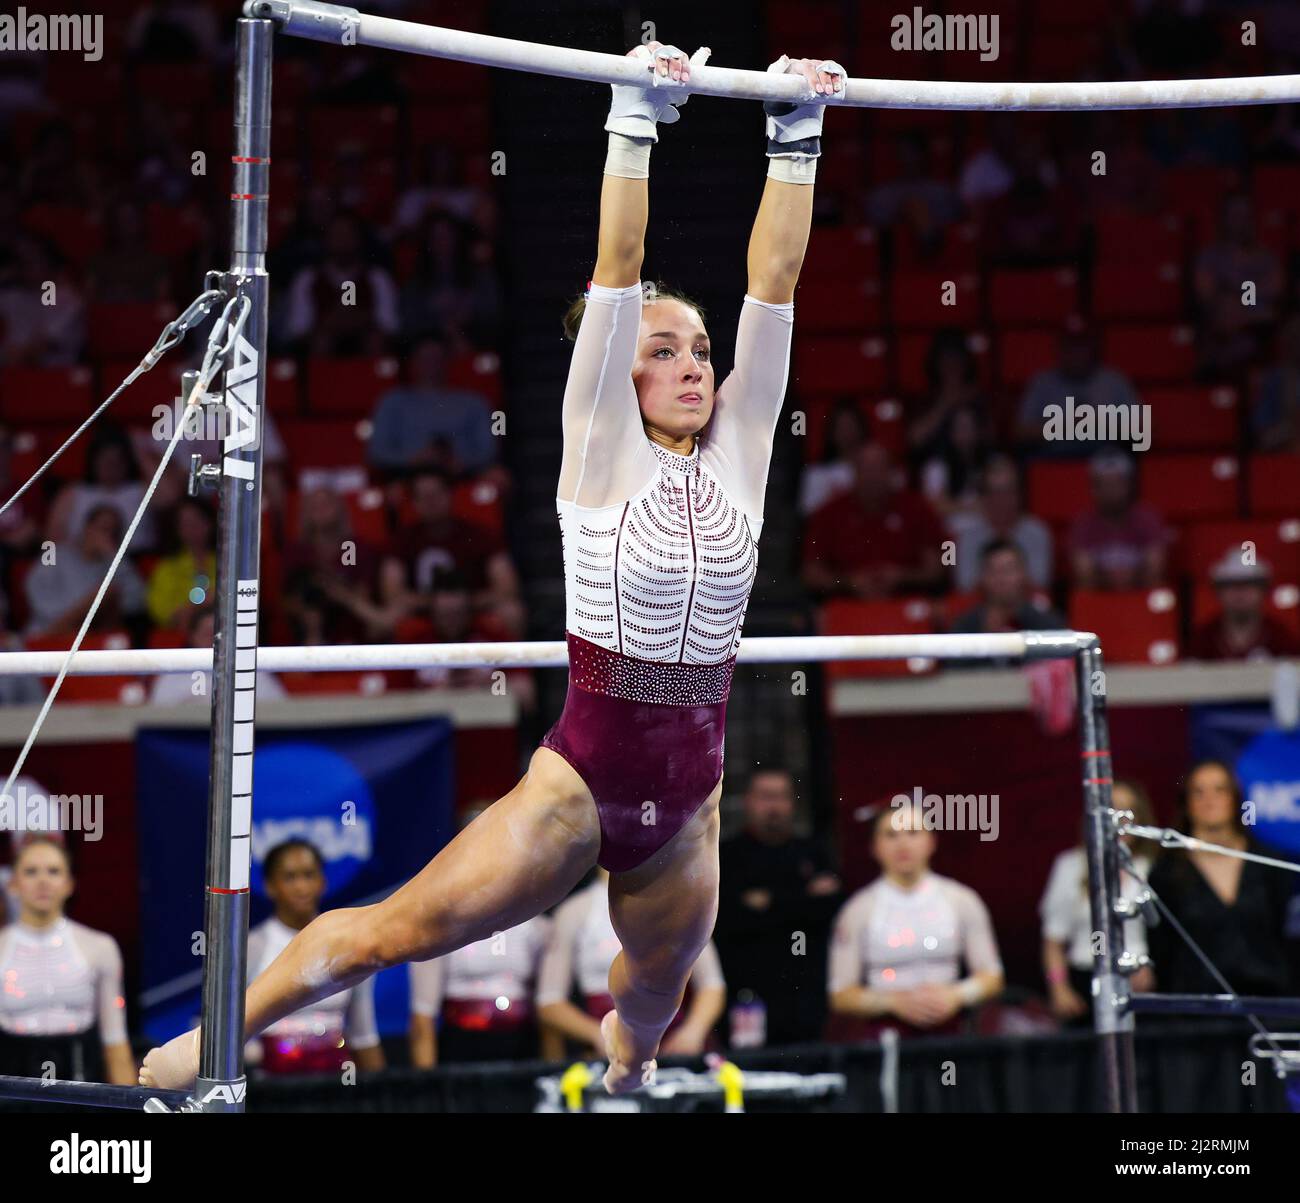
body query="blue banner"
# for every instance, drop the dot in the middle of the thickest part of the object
(1267, 761)
(378, 802)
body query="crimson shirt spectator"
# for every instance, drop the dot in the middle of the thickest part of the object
(875, 540)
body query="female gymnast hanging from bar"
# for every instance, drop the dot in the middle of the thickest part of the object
(660, 503)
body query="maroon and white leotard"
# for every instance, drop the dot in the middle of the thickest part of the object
(660, 554)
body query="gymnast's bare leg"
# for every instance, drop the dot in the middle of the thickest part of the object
(663, 912)
(519, 857)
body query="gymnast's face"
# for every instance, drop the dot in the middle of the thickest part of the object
(673, 372)
(297, 886)
(41, 879)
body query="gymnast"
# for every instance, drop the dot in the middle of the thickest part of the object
(660, 502)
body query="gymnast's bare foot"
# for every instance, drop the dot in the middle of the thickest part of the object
(175, 1065)
(622, 1052)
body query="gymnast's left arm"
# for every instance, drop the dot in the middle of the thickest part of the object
(748, 403)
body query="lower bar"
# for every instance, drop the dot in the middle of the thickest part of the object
(89, 1094)
(1212, 1004)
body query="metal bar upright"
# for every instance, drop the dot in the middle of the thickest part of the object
(1112, 1019)
(221, 1083)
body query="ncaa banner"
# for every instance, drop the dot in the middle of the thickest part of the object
(1267, 760)
(378, 802)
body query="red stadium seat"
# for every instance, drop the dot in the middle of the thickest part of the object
(1152, 353)
(1124, 237)
(480, 372)
(1022, 354)
(324, 442)
(1138, 626)
(885, 421)
(848, 306)
(76, 234)
(1274, 485)
(1059, 491)
(111, 329)
(842, 251)
(128, 690)
(918, 299)
(1044, 297)
(959, 251)
(1142, 291)
(349, 387)
(833, 364)
(1193, 418)
(41, 395)
(479, 501)
(1276, 186)
(901, 616)
(1187, 487)
(1277, 542)
(367, 684)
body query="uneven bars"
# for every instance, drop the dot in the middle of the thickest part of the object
(348, 27)
(790, 649)
(90, 1094)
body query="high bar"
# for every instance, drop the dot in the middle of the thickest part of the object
(348, 27)
(786, 649)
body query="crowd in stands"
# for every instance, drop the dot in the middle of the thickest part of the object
(384, 491)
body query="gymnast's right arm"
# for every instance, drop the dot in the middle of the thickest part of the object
(606, 456)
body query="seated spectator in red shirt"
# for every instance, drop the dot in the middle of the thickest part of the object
(1121, 543)
(439, 542)
(1006, 602)
(1244, 630)
(875, 540)
(338, 589)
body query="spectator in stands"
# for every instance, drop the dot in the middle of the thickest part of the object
(1067, 917)
(1000, 516)
(62, 1003)
(186, 577)
(322, 1036)
(337, 587)
(345, 305)
(173, 31)
(1238, 912)
(127, 270)
(582, 949)
(449, 616)
(19, 531)
(55, 172)
(1243, 630)
(437, 542)
(1079, 374)
(846, 431)
(952, 384)
(33, 331)
(1031, 224)
(198, 625)
(989, 173)
(427, 423)
(950, 476)
(900, 944)
(1006, 601)
(1238, 284)
(875, 540)
(775, 882)
(437, 186)
(915, 198)
(59, 592)
(1122, 543)
(476, 1003)
(112, 480)
(453, 284)
(1275, 414)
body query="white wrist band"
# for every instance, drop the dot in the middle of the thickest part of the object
(792, 170)
(628, 157)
